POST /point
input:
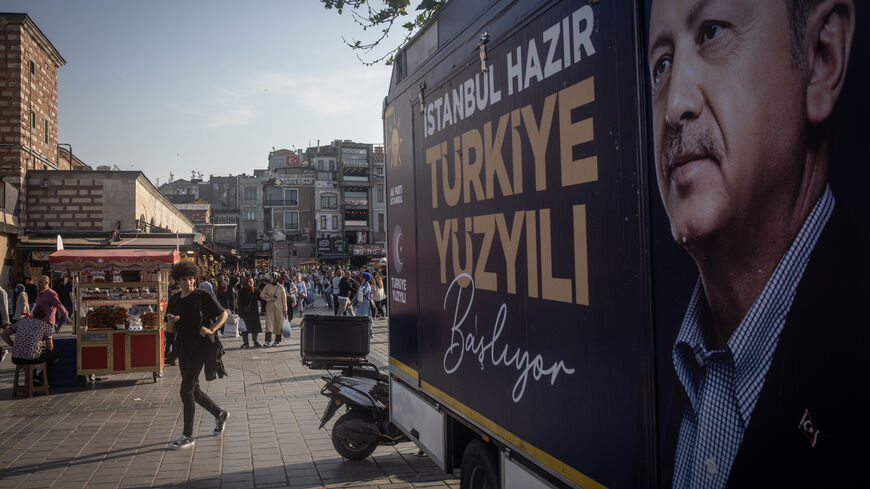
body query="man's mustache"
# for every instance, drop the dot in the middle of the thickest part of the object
(691, 140)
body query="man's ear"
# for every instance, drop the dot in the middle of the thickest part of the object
(830, 29)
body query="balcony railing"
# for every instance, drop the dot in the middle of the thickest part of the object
(272, 202)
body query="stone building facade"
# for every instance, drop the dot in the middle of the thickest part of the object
(82, 200)
(251, 226)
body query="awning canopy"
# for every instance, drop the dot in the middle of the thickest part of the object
(102, 259)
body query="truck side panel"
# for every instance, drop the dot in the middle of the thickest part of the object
(532, 320)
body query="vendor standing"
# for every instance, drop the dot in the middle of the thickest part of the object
(48, 301)
(194, 315)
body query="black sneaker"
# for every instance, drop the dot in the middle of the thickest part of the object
(257, 345)
(182, 443)
(245, 345)
(220, 421)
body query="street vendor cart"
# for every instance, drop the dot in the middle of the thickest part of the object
(121, 298)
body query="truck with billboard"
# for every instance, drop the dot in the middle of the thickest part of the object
(625, 242)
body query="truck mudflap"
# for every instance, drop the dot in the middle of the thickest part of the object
(516, 476)
(420, 420)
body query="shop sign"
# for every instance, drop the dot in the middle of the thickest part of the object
(295, 181)
(324, 245)
(339, 245)
(374, 250)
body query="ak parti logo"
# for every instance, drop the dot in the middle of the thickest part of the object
(394, 140)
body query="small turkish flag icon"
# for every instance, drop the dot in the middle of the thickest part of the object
(809, 428)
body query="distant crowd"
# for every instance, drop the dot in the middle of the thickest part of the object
(277, 292)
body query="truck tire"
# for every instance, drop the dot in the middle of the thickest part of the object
(479, 468)
(350, 449)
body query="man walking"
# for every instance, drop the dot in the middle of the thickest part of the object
(194, 315)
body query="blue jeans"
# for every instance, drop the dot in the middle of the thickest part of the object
(335, 304)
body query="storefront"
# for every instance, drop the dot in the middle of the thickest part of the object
(364, 255)
(332, 251)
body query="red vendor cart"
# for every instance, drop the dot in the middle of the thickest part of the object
(117, 292)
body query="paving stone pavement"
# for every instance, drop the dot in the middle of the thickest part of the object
(115, 434)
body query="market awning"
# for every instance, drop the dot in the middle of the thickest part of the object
(91, 241)
(101, 259)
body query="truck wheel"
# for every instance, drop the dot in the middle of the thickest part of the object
(352, 449)
(479, 466)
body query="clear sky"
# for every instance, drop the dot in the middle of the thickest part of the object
(173, 86)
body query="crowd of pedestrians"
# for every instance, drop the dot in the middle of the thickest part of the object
(264, 297)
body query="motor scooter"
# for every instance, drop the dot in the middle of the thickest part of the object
(364, 393)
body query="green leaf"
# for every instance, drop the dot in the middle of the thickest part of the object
(427, 4)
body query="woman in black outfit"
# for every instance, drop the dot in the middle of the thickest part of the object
(249, 312)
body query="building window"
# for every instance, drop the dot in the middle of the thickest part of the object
(335, 223)
(329, 201)
(45, 134)
(250, 214)
(380, 223)
(250, 193)
(380, 193)
(290, 196)
(231, 219)
(33, 119)
(32, 68)
(379, 171)
(222, 219)
(251, 236)
(291, 220)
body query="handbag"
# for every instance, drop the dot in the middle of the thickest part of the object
(285, 328)
(243, 328)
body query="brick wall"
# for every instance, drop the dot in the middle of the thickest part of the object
(28, 101)
(64, 204)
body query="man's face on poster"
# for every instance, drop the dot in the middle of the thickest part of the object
(728, 113)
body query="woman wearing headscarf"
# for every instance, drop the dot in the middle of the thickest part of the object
(364, 295)
(249, 312)
(22, 305)
(276, 308)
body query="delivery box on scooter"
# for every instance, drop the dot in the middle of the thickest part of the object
(334, 341)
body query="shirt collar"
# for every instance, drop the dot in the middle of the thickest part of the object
(752, 344)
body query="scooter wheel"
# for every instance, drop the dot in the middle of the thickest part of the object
(351, 449)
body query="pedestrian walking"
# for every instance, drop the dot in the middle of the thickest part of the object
(336, 290)
(290, 288)
(249, 312)
(364, 295)
(276, 308)
(195, 315)
(301, 292)
(346, 291)
(379, 296)
(22, 305)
